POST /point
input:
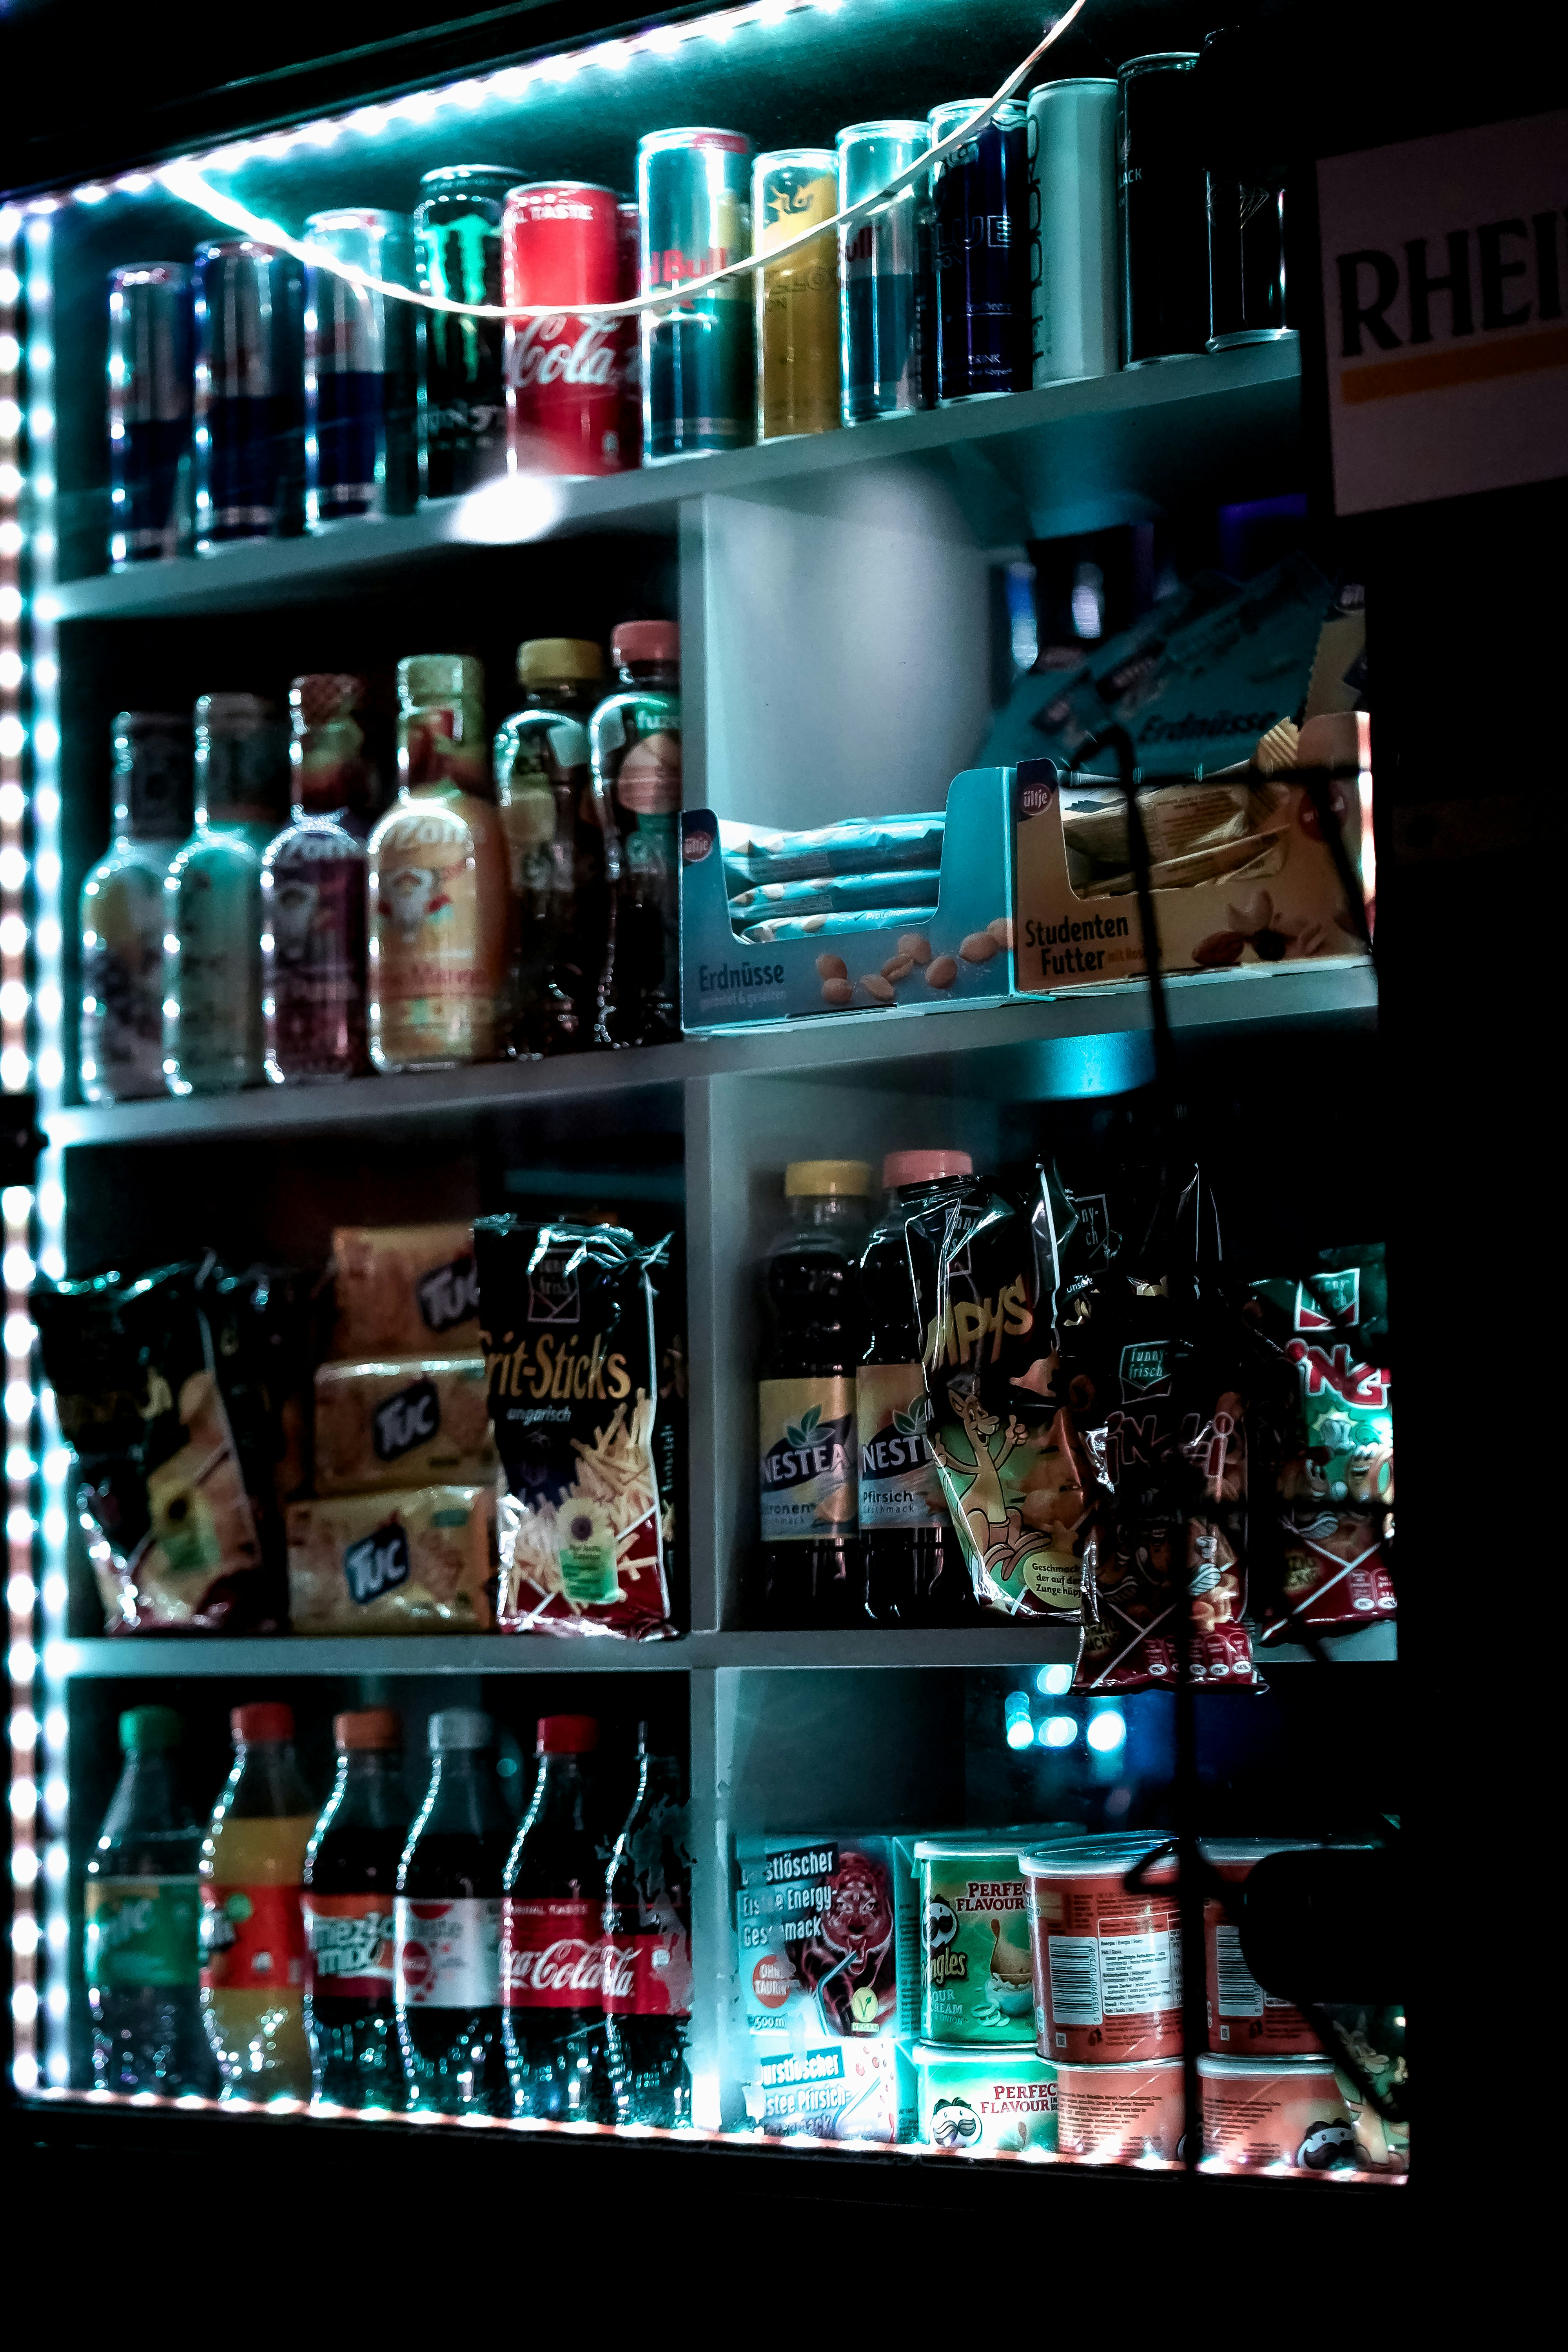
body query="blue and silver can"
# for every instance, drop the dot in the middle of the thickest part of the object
(694, 196)
(149, 408)
(980, 248)
(361, 433)
(1072, 230)
(879, 270)
(249, 392)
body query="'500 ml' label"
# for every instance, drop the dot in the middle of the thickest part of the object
(143, 1932)
(808, 1457)
(349, 1945)
(447, 1954)
(899, 1485)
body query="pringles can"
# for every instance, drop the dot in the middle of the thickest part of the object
(797, 300)
(1072, 230)
(149, 407)
(1162, 209)
(249, 409)
(561, 241)
(693, 192)
(979, 227)
(880, 273)
(462, 392)
(361, 431)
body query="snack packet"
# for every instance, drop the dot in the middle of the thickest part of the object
(404, 1290)
(806, 927)
(404, 1424)
(832, 894)
(860, 845)
(586, 1512)
(417, 1562)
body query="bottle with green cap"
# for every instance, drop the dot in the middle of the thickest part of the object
(545, 787)
(809, 1568)
(143, 1904)
(440, 900)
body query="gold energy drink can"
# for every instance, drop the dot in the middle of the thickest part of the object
(797, 301)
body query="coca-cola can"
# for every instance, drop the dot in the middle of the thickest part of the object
(561, 243)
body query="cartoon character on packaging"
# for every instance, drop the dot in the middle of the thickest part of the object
(849, 1963)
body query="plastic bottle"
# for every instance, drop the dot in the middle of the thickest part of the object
(350, 1883)
(122, 919)
(440, 900)
(915, 1572)
(144, 1911)
(648, 1949)
(556, 844)
(552, 1938)
(635, 737)
(448, 1948)
(213, 1035)
(312, 894)
(253, 1932)
(810, 1571)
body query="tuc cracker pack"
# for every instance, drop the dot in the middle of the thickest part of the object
(827, 1941)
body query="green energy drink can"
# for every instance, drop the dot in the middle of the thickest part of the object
(796, 299)
(693, 189)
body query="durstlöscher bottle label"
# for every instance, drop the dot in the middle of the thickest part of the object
(808, 1457)
(648, 1973)
(349, 1945)
(143, 1932)
(447, 1953)
(899, 1485)
(253, 1938)
(553, 1953)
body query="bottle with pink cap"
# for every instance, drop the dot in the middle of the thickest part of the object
(915, 1572)
(634, 739)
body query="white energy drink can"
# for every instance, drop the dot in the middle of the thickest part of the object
(1072, 230)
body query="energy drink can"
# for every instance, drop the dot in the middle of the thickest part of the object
(693, 191)
(1072, 230)
(249, 392)
(361, 441)
(980, 229)
(880, 273)
(462, 394)
(149, 406)
(797, 300)
(561, 243)
(628, 336)
(1246, 263)
(1162, 206)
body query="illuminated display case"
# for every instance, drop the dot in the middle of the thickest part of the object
(855, 609)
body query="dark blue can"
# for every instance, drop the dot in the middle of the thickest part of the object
(249, 392)
(361, 443)
(149, 408)
(980, 253)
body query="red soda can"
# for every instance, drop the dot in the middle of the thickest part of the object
(562, 243)
(630, 219)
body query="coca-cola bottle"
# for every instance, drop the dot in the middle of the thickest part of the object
(648, 1950)
(351, 1878)
(446, 1962)
(552, 1954)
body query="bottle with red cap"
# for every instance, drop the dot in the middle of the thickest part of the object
(349, 1890)
(635, 741)
(253, 1930)
(312, 894)
(648, 1949)
(446, 1950)
(915, 1572)
(552, 1937)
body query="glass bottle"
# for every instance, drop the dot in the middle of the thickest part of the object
(648, 1949)
(253, 1932)
(350, 1883)
(808, 1458)
(122, 917)
(448, 1951)
(556, 844)
(439, 896)
(214, 1040)
(313, 894)
(551, 1937)
(634, 739)
(143, 1907)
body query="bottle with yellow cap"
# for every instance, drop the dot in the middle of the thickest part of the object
(809, 1570)
(544, 790)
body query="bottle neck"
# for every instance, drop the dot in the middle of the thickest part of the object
(266, 1783)
(837, 1213)
(575, 696)
(660, 677)
(559, 1795)
(149, 1797)
(462, 1799)
(368, 1794)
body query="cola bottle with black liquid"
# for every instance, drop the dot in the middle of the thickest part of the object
(648, 1949)
(350, 1891)
(448, 1952)
(552, 1937)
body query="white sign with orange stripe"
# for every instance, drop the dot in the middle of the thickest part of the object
(1446, 306)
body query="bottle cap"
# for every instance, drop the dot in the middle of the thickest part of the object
(460, 1727)
(265, 1721)
(543, 658)
(324, 695)
(644, 641)
(923, 1167)
(567, 1735)
(370, 1727)
(439, 677)
(827, 1179)
(149, 1731)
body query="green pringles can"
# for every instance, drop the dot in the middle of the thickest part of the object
(976, 1980)
(984, 2103)
(694, 199)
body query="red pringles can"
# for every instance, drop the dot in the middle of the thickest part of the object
(561, 243)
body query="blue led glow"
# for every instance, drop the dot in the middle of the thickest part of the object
(1020, 1732)
(1107, 1730)
(1054, 1682)
(1057, 1732)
